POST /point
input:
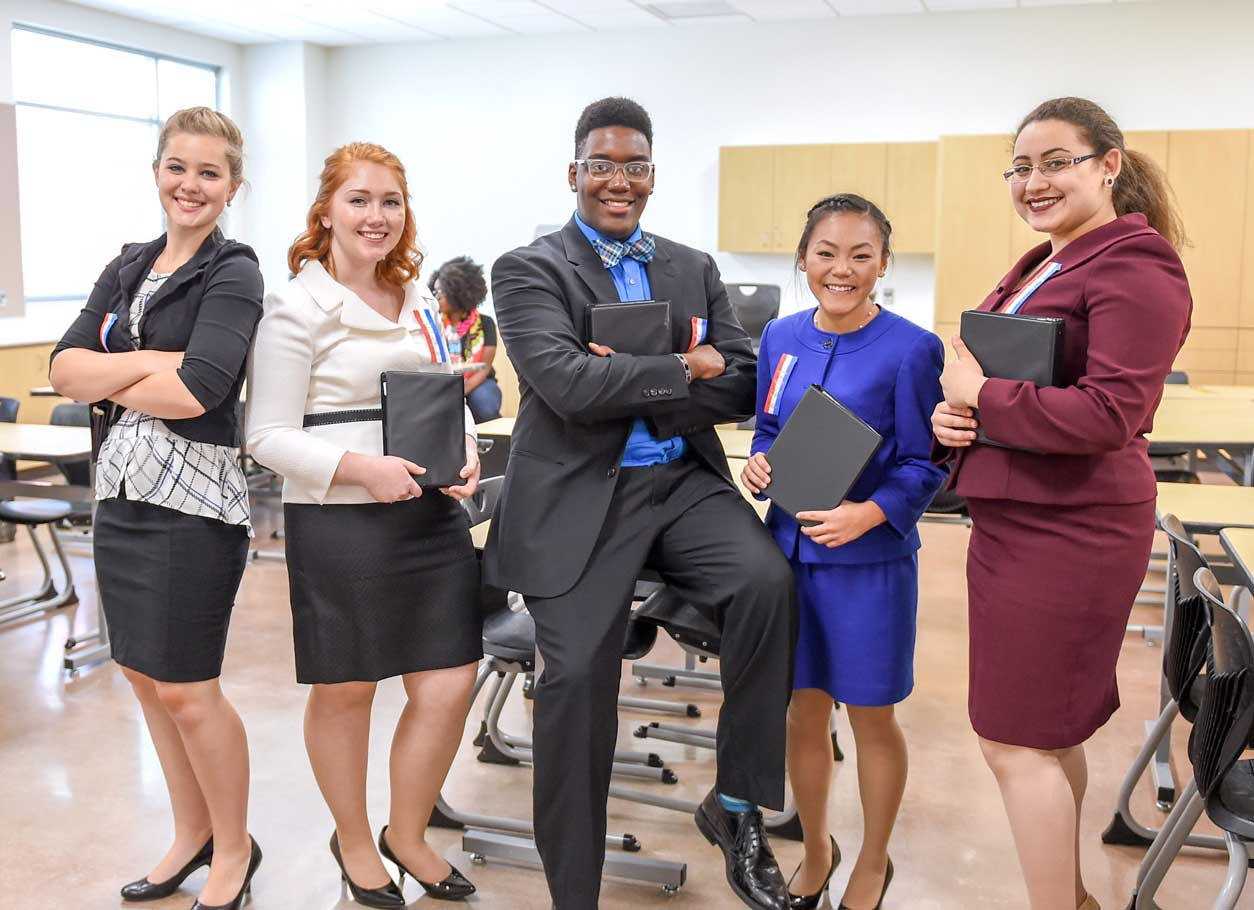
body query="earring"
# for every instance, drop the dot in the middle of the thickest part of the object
(1109, 181)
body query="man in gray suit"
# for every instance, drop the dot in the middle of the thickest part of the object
(615, 465)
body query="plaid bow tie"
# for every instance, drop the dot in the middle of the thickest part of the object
(612, 252)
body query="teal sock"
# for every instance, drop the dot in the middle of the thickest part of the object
(732, 804)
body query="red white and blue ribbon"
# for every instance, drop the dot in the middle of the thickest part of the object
(1049, 272)
(699, 328)
(775, 393)
(430, 326)
(106, 325)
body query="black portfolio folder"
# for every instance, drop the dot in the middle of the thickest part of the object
(1011, 346)
(639, 327)
(818, 455)
(424, 422)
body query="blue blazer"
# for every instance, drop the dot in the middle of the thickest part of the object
(887, 373)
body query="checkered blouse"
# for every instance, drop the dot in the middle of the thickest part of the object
(164, 469)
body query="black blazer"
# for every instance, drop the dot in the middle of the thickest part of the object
(577, 409)
(208, 308)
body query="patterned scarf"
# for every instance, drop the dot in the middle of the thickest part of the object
(470, 331)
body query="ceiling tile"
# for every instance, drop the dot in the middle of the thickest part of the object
(496, 9)
(876, 7)
(945, 6)
(1063, 2)
(441, 21)
(536, 25)
(767, 10)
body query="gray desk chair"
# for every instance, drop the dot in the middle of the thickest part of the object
(1223, 783)
(755, 305)
(73, 414)
(32, 513)
(1186, 639)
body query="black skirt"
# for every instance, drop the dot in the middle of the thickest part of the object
(167, 584)
(379, 590)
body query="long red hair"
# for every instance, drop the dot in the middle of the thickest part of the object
(403, 263)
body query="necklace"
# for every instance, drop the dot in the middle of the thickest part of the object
(871, 313)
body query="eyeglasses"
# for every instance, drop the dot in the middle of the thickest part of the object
(1022, 173)
(602, 169)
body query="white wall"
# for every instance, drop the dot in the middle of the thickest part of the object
(485, 127)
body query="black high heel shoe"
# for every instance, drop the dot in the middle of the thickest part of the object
(888, 877)
(254, 860)
(812, 901)
(454, 887)
(386, 897)
(144, 890)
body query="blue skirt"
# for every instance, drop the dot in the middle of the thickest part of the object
(856, 635)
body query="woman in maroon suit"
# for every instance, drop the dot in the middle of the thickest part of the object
(1063, 520)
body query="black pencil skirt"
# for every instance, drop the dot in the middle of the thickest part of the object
(167, 583)
(379, 590)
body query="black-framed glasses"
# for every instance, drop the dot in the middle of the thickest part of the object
(1022, 173)
(604, 169)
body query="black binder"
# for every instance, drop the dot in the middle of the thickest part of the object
(639, 327)
(818, 454)
(1011, 346)
(424, 421)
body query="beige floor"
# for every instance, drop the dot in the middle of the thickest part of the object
(83, 809)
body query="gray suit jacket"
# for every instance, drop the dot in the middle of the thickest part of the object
(577, 409)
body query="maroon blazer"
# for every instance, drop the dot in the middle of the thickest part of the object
(1125, 298)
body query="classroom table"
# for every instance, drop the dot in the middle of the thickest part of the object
(59, 445)
(1210, 392)
(1238, 543)
(1220, 425)
(41, 442)
(736, 442)
(45, 391)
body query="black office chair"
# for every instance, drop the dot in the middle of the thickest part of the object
(1186, 638)
(8, 467)
(8, 414)
(1222, 785)
(73, 414)
(755, 305)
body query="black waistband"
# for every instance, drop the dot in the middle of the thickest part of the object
(330, 418)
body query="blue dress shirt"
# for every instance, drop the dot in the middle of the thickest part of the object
(631, 280)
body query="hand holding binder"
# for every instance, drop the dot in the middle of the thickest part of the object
(817, 456)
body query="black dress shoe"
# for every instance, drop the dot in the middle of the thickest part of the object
(812, 901)
(254, 860)
(144, 890)
(752, 871)
(888, 877)
(454, 887)
(386, 897)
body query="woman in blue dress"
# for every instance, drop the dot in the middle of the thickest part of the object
(856, 565)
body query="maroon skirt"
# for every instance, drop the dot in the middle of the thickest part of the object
(1049, 590)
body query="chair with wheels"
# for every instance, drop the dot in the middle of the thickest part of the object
(1223, 783)
(1187, 637)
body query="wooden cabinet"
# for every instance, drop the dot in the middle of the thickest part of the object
(973, 221)
(910, 195)
(803, 176)
(1246, 315)
(1208, 170)
(22, 369)
(861, 168)
(765, 191)
(746, 198)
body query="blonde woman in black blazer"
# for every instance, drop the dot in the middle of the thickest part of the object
(162, 342)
